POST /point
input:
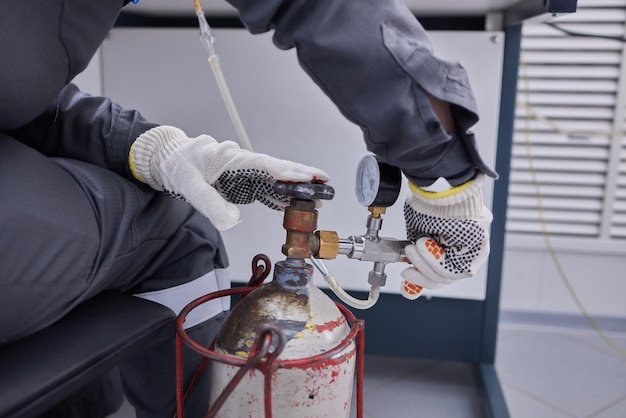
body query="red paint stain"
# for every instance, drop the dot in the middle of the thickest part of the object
(320, 364)
(331, 325)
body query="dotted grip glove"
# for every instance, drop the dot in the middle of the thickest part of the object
(212, 176)
(450, 230)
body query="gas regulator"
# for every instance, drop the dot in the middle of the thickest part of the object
(377, 188)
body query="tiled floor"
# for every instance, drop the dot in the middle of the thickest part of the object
(561, 372)
(403, 388)
(546, 371)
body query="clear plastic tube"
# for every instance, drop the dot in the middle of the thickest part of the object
(342, 294)
(206, 37)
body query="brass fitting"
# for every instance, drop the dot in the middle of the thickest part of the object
(376, 211)
(300, 221)
(328, 245)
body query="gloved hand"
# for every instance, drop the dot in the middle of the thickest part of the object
(212, 176)
(450, 230)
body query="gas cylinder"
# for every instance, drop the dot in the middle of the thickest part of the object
(311, 324)
(306, 324)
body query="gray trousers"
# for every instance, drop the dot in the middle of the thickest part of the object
(69, 230)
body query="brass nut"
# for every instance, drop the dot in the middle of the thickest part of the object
(376, 211)
(300, 220)
(329, 245)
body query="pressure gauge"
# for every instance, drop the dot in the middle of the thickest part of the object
(377, 183)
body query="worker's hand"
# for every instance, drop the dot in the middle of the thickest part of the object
(212, 176)
(450, 230)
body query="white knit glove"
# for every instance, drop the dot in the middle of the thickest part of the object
(451, 234)
(212, 176)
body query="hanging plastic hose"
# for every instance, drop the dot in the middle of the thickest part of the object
(342, 294)
(206, 37)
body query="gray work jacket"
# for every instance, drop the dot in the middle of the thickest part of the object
(371, 57)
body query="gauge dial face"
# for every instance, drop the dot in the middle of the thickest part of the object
(367, 180)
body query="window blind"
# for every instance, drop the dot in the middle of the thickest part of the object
(568, 168)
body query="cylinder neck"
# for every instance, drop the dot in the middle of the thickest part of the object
(293, 272)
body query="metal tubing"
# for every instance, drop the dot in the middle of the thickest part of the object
(346, 246)
(179, 377)
(260, 353)
(360, 370)
(262, 345)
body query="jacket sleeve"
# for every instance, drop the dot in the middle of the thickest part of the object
(87, 128)
(376, 63)
(46, 43)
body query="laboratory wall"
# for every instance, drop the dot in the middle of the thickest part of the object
(537, 278)
(164, 73)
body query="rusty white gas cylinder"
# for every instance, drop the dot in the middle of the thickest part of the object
(312, 324)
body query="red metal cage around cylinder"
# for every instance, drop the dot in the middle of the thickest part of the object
(261, 357)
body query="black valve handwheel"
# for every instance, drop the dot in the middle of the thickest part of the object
(305, 191)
